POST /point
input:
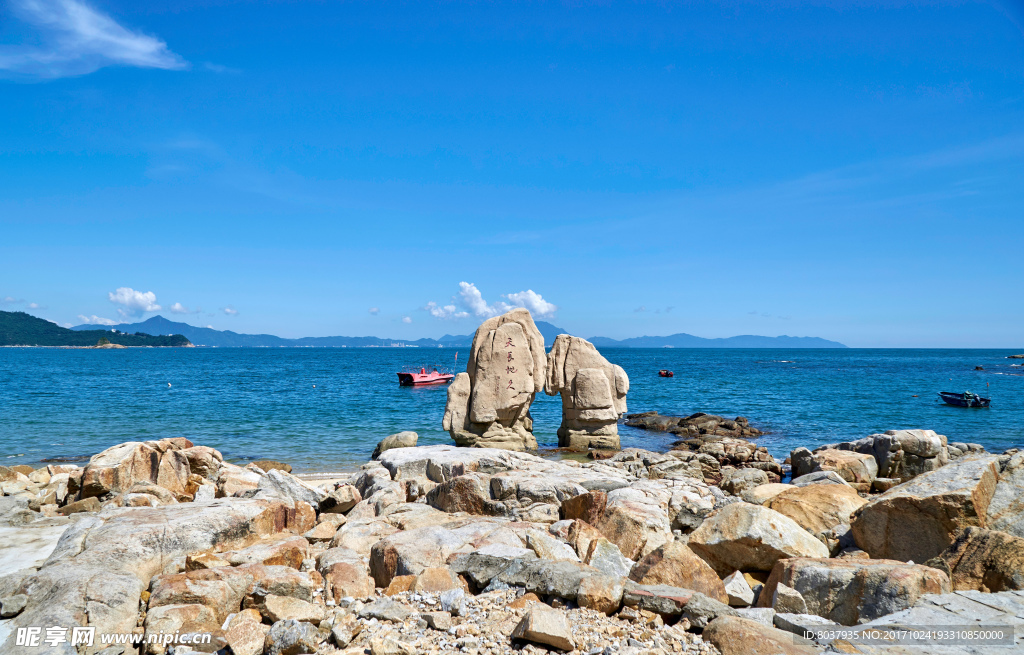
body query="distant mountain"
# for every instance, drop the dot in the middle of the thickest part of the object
(21, 329)
(683, 340)
(201, 336)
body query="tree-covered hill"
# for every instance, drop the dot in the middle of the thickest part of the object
(21, 329)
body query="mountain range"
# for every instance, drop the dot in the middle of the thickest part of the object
(21, 329)
(201, 336)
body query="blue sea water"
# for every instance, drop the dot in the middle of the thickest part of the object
(262, 403)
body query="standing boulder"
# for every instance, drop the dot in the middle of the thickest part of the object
(919, 519)
(745, 537)
(593, 394)
(489, 405)
(1006, 511)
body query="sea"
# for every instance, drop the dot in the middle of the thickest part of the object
(324, 409)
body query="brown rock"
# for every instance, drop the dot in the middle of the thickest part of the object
(180, 589)
(588, 507)
(635, 527)
(283, 608)
(852, 591)
(117, 468)
(602, 593)
(184, 619)
(985, 560)
(580, 535)
(90, 504)
(270, 465)
(818, 508)
(341, 500)
(919, 519)
(287, 551)
(674, 564)
(246, 633)
(546, 626)
(400, 584)
(737, 636)
(436, 580)
(851, 466)
(349, 579)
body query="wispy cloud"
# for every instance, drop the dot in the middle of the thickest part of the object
(375, 310)
(133, 303)
(407, 319)
(10, 300)
(230, 311)
(96, 320)
(35, 305)
(77, 39)
(470, 301)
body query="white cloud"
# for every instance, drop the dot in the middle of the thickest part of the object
(406, 319)
(471, 301)
(34, 305)
(375, 310)
(230, 311)
(95, 320)
(77, 39)
(9, 300)
(178, 308)
(135, 303)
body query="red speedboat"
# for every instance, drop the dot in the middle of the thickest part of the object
(412, 378)
(665, 373)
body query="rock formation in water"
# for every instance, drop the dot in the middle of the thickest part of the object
(489, 404)
(593, 394)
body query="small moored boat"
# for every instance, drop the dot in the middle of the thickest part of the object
(665, 373)
(423, 377)
(965, 399)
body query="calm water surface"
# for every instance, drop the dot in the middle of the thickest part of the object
(262, 403)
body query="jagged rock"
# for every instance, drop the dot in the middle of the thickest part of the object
(786, 599)
(730, 451)
(546, 577)
(745, 537)
(184, 619)
(281, 608)
(818, 508)
(545, 626)
(737, 590)
(985, 560)
(675, 565)
(12, 606)
(602, 593)
(245, 633)
(733, 635)
(489, 405)
(695, 425)
(468, 493)
(119, 467)
(291, 637)
(660, 599)
(737, 481)
(547, 547)
(701, 610)
(587, 507)
(280, 551)
(1006, 511)
(406, 439)
(852, 591)
(606, 557)
(114, 554)
(482, 565)
(409, 552)
(593, 392)
(919, 519)
(341, 499)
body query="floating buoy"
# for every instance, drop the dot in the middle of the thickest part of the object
(168, 384)
(314, 386)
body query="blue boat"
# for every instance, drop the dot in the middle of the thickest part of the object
(965, 399)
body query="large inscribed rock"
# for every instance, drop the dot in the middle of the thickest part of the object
(593, 393)
(489, 405)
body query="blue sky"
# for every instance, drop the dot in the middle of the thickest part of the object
(849, 170)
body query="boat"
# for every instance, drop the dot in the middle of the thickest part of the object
(665, 373)
(423, 377)
(965, 399)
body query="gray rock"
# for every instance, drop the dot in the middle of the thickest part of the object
(763, 615)
(701, 610)
(739, 592)
(453, 601)
(385, 609)
(279, 485)
(545, 577)
(660, 599)
(291, 637)
(819, 477)
(736, 481)
(787, 600)
(480, 568)
(12, 605)
(803, 625)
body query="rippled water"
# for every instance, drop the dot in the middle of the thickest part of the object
(262, 403)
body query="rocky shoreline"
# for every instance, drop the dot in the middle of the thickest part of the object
(443, 549)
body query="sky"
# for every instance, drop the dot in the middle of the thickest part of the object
(847, 170)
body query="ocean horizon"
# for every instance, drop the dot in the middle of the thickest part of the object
(324, 409)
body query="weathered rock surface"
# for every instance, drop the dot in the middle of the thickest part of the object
(819, 508)
(406, 439)
(1006, 511)
(675, 565)
(489, 405)
(545, 626)
(849, 591)
(742, 536)
(919, 519)
(593, 392)
(985, 560)
(733, 635)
